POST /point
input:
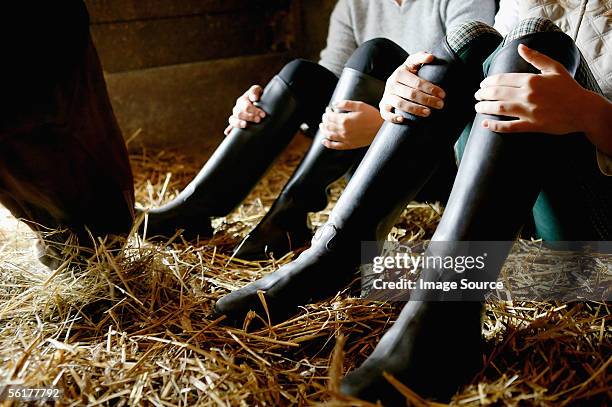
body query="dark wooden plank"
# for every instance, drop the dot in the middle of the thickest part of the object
(315, 24)
(186, 105)
(145, 44)
(104, 11)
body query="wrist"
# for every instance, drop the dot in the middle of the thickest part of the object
(597, 120)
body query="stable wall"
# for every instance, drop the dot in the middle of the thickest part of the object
(174, 69)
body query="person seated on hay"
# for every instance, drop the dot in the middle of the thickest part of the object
(64, 164)
(367, 40)
(540, 142)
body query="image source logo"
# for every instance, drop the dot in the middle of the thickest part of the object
(474, 271)
(413, 263)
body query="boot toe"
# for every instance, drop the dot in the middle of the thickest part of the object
(417, 342)
(264, 242)
(252, 249)
(363, 384)
(297, 283)
(239, 302)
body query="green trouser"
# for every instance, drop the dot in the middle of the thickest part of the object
(576, 200)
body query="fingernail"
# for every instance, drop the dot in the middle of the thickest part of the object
(262, 114)
(257, 119)
(441, 94)
(439, 104)
(426, 112)
(485, 124)
(399, 119)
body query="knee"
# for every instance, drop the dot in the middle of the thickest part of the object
(539, 34)
(472, 41)
(531, 25)
(308, 80)
(378, 58)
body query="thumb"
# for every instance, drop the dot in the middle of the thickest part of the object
(544, 63)
(348, 105)
(255, 93)
(415, 61)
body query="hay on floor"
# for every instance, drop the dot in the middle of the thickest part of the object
(133, 325)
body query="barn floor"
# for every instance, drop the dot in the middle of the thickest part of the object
(133, 326)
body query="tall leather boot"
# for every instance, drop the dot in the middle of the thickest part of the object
(285, 226)
(244, 156)
(434, 346)
(374, 198)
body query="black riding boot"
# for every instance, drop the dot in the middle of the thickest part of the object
(243, 157)
(373, 199)
(285, 226)
(435, 345)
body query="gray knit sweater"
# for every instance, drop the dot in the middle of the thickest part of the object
(417, 25)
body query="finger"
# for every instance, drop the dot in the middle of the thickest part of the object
(335, 145)
(387, 112)
(413, 81)
(512, 126)
(512, 109)
(417, 96)
(248, 117)
(254, 93)
(544, 63)
(335, 137)
(415, 61)
(505, 93)
(245, 105)
(508, 109)
(338, 119)
(257, 111)
(237, 123)
(245, 110)
(228, 130)
(514, 80)
(331, 127)
(348, 105)
(408, 106)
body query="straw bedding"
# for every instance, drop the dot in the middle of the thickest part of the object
(132, 324)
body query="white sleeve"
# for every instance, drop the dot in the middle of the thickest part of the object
(507, 17)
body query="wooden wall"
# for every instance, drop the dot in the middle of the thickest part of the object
(175, 68)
